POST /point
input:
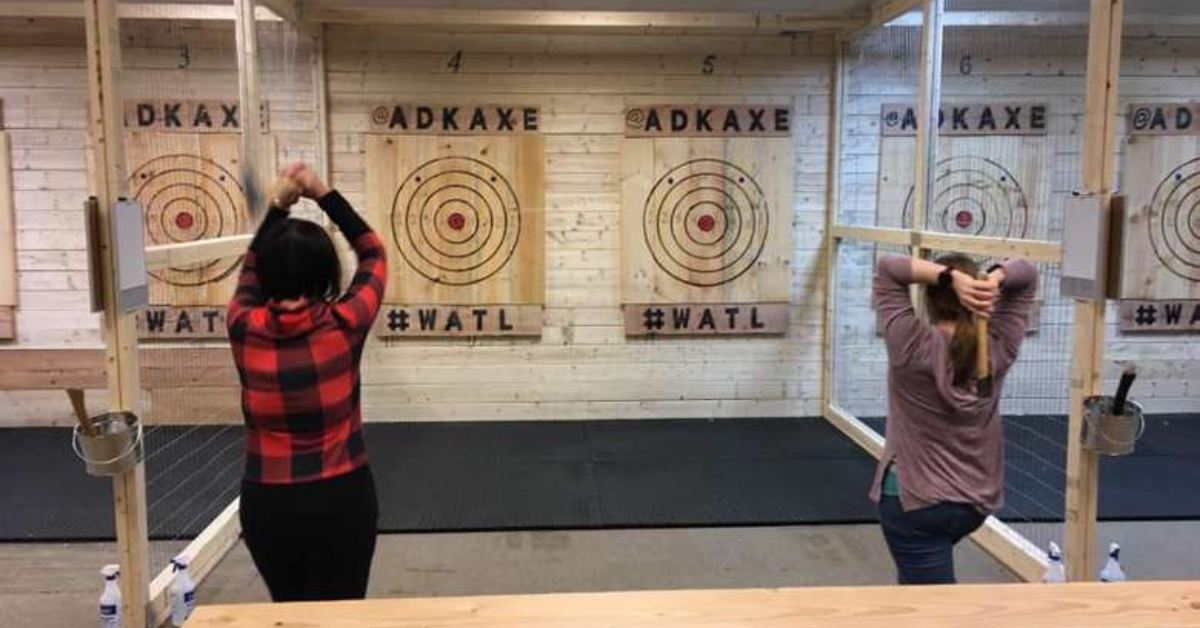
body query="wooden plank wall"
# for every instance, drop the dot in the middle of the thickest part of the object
(1046, 64)
(44, 87)
(582, 366)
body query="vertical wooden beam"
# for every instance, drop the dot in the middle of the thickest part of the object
(320, 102)
(1087, 353)
(928, 99)
(120, 338)
(246, 32)
(8, 242)
(832, 203)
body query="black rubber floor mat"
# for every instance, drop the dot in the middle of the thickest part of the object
(582, 474)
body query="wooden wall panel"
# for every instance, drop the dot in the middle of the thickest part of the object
(706, 220)
(582, 366)
(984, 185)
(190, 186)
(463, 218)
(1161, 246)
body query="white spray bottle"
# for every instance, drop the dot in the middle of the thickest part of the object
(183, 591)
(110, 598)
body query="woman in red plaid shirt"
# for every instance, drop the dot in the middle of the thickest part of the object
(308, 506)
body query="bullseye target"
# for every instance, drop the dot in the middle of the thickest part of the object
(706, 222)
(1174, 221)
(189, 198)
(974, 196)
(456, 220)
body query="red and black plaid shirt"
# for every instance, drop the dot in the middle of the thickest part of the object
(299, 365)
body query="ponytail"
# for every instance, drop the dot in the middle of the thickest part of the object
(963, 347)
(942, 305)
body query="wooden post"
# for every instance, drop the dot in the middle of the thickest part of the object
(8, 242)
(928, 99)
(832, 187)
(320, 102)
(120, 338)
(1087, 353)
(246, 32)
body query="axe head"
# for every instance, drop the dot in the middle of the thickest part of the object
(254, 198)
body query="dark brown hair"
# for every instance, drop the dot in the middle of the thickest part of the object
(296, 259)
(942, 305)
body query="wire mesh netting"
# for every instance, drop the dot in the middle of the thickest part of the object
(186, 159)
(881, 68)
(985, 183)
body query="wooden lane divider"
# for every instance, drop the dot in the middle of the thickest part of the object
(1134, 604)
(1033, 250)
(166, 255)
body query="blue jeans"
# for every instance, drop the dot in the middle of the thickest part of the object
(922, 541)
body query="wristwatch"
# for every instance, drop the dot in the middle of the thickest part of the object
(945, 279)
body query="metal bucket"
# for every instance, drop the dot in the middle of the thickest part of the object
(1109, 434)
(116, 447)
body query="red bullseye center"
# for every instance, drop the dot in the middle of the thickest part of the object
(706, 223)
(456, 221)
(964, 219)
(184, 220)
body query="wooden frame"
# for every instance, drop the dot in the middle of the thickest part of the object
(122, 378)
(204, 552)
(998, 539)
(508, 20)
(166, 255)
(837, 98)
(1036, 250)
(995, 537)
(8, 242)
(109, 183)
(1087, 353)
(131, 11)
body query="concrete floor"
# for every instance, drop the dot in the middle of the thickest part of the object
(54, 585)
(58, 583)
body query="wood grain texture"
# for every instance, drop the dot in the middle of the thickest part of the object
(8, 242)
(189, 185)
(462, 217)
(706, 220)
(1160, 249)
(1125, 605)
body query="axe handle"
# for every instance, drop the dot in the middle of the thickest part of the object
(81, 414)
(982, 361)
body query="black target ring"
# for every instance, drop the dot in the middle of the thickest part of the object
(974, 196)
(456, 220)
(1174, 221)
(709, 195)
(189, 198)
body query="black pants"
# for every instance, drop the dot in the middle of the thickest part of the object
(922, 541)
(312, 541)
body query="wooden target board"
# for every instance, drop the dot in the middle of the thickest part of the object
(1161, 235)
(464, 220)
(990, 179)
(190, 189)
(987, 187)
(706, 225)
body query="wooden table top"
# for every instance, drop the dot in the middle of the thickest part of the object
(1142, 604)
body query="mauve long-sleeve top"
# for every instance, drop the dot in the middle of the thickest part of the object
(945, 441)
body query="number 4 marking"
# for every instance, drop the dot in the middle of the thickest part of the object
(455, 62)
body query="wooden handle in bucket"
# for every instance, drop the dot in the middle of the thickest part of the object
(81, 413)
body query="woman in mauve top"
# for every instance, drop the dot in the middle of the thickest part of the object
(308, 505)
(942, 470)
